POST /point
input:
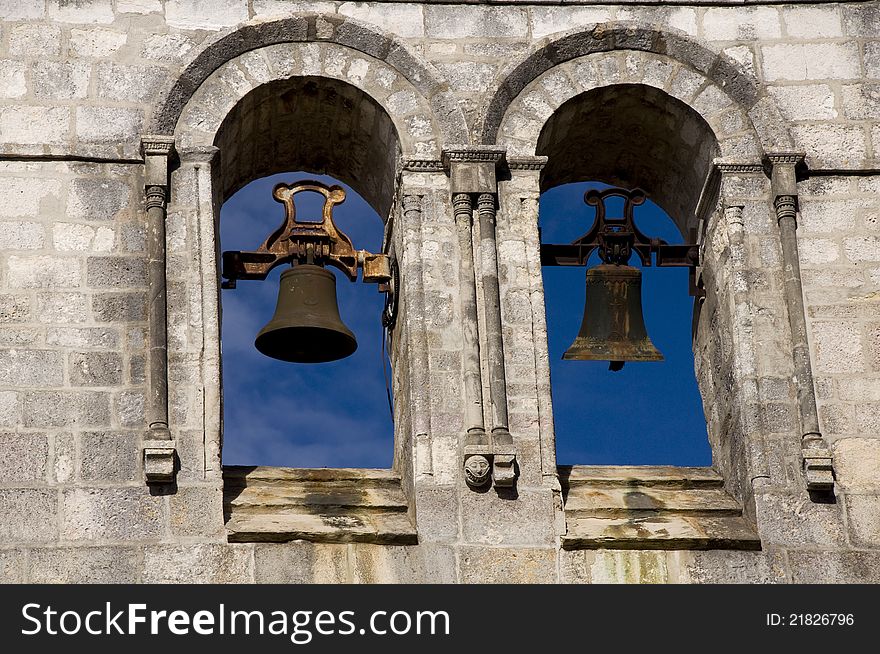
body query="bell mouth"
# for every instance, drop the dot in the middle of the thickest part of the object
(306, 327)
(305, 344)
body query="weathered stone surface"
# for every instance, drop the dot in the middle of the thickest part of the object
(61, 408)
(767, 567)
(301, 562)
(197, 512)
(28, 515)
(434, 564)
(109, 456)
(830, 567)
(84, 565)
(23, 457)
(506, 565)
(112, 514)
(203, 563)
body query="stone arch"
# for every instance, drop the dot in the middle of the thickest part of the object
(331, 35)
(644, 51)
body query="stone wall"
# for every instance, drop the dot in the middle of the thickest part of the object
(460, 95)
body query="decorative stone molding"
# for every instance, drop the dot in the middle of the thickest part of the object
(159, 453)
(732, 168)
(526, 163)
(422, 165)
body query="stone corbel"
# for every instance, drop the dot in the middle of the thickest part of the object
(159, 450)
(818, 464)
(473, 175)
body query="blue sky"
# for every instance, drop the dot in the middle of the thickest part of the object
(336, 414)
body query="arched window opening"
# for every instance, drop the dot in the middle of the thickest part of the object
(276, 413)
(332, 414)
(627, 136)
(648, 412)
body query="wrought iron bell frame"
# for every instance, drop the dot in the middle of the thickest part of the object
(616, 239)
(311, 242)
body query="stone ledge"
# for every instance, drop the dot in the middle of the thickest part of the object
(651, 507)
(329, 505)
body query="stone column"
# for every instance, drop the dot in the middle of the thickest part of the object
(472, 173)
(159, 447)
(476, 445)
(817, 461)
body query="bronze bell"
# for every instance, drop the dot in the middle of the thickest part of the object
(306, 327)
(613, 328)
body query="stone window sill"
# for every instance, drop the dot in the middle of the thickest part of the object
(651, 507)
(330, 505)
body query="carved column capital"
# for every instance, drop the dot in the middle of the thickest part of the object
(472, 169)
(155, 197)
(783, 177)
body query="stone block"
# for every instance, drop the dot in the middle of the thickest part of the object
(794, 520)
(813, 61)
(12, 79)
(507, 565)
(130, 409)
(72, 409)
(548, 20)
(14, 308)
(859, 20)
(859, 249)
(62, 308)
(468, 75)
(812, 22)
(831, 567)
(96, 42)
(458, 22)
(119, 307)
(831, 146)
(98, 198)
(83, 565)
(749, 24)
(403, 20)
(95, 368)
(61, 80)
(615, 567)
(492, 520)
(108, 124)
(43, 272)
(861, 101)
(75, 337)
(28, 125)
(728, 567)
(198, 563)
(80, 11)
(197, 512)
(116, 272)
(139, 6)
(40, 368)
(21, 235)
(30, 196)
(68, 237)
(64, 466)
(110, 456)
(838, 347)
(10, 413)
(863, 520)
(205, 14)
(118, 514)
(437, 513)
(129, 83)
(34, 40)
(301, 562)
(868, 418)
(422, 564)
(166, 47)
(872, 59)
(23, 457)
(28, 515)
(805, 102)
(12, 561)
